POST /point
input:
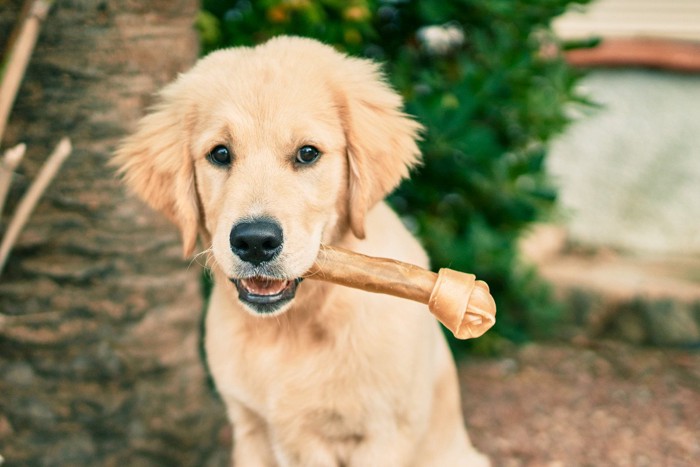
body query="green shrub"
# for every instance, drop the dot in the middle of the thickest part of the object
(491, 95)
(347, 24)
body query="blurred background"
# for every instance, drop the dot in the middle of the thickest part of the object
(561, 165)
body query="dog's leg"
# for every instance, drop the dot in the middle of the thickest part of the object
(447, 442)
(251, 444)
(295, 447)
(388, 447)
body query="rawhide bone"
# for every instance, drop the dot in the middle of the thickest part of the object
(459, 301)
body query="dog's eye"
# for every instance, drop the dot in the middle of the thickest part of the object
(220, 155)
(307, 155)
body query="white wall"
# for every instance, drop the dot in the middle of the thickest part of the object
(629, 173)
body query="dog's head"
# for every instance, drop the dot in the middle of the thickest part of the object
(268, 152)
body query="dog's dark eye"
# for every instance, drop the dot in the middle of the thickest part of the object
(220, 155)
(307, 155)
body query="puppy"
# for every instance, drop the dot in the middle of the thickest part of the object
(266, 153)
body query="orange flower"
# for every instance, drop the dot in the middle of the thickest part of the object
(356, 13)
(277, 14)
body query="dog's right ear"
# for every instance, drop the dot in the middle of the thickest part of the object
(155, 164)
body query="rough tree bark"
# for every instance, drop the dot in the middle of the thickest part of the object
(99, 315)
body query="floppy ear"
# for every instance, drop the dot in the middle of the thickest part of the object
(381, 138)
(154, 163)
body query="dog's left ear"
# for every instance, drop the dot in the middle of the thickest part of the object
(381, 138)
(155, 163)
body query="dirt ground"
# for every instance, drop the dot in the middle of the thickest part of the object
(585, 404)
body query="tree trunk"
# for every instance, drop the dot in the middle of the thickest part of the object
(99, 315)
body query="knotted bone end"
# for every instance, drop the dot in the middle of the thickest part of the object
(463, 304)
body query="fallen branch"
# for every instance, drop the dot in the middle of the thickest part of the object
(31, 197)
(8, 164)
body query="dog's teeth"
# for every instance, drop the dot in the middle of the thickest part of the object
(264, 285)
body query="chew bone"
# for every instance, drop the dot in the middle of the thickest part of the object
(459, 301)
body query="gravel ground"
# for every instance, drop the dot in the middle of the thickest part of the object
(585, 404)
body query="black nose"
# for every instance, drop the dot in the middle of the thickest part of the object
(256, 241)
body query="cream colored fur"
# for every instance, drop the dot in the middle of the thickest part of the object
(339, 377)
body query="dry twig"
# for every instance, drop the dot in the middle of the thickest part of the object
(8, 164)
(12, 71)
(31, 197)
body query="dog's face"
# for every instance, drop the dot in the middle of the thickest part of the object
(269, 152)
(271, 178)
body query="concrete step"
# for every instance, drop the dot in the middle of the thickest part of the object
(639, 298)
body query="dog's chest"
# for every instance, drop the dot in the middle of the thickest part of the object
(313, 374)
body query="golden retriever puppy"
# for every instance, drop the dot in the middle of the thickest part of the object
(266, 153)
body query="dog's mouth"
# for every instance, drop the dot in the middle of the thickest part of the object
(266, 294)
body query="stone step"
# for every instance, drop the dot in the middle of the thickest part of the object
(639, 298)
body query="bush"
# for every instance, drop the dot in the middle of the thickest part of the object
(486, 79)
